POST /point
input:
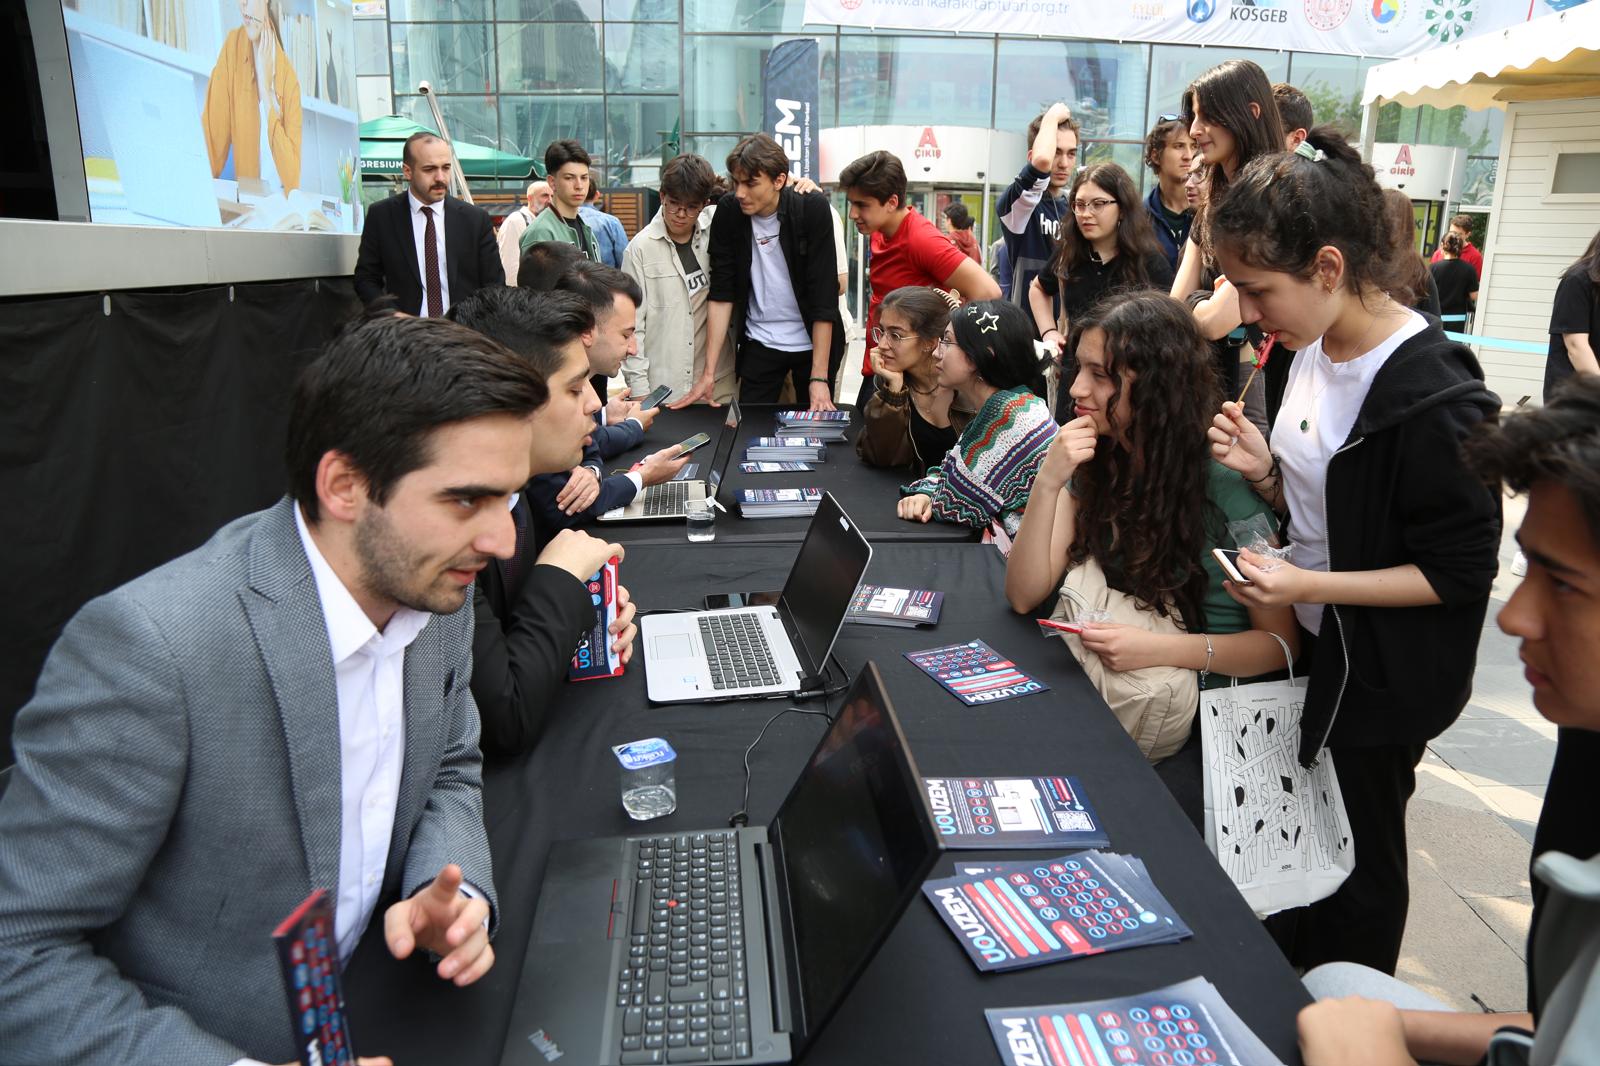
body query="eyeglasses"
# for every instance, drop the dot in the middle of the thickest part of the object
(946, 344)
(673, 207)
(1096, 206)
(1168, 118)
(879, 333)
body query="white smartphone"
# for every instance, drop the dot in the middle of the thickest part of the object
(1228, 559)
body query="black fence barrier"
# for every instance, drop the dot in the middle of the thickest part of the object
(133, 425)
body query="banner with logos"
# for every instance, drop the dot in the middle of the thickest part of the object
(789, 94)
(1382, 28)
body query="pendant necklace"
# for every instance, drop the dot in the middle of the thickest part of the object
(1305, 423)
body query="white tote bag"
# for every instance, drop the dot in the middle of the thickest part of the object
(1279, 830)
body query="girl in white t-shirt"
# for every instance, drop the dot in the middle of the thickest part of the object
(1393, 543)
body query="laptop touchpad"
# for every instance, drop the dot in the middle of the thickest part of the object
(672, 646)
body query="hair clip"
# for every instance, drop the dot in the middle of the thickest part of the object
(953, 297)
(1306, 151)
(991, 325)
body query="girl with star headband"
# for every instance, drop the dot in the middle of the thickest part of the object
(987, 358)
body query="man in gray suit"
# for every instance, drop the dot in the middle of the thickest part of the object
(284, 708)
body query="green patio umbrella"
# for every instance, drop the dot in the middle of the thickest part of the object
(383, 139)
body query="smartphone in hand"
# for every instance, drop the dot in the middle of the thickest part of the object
(1228, 559)
(691, 443)
(656, 398)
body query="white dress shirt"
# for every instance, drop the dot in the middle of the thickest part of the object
(368, 669)
(419, 228)
(368, 672)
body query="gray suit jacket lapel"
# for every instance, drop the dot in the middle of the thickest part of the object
(425, 686)
(292, 636)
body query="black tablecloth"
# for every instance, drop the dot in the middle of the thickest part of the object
(868, 494)
(921, 1000)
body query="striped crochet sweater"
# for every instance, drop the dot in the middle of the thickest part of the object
(987, 476)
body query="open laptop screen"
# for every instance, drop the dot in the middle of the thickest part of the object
(857, 841)
(725, 442)
(832, 560)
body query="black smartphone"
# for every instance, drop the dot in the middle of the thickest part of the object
(656, 398)
(1228, 559)
(696, 441)
(717, 601)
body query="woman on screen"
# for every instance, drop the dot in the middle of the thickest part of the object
(253, 102)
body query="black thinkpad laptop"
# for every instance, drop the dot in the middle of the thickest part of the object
(730, 945)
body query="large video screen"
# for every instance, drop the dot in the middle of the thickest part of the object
(237, 113)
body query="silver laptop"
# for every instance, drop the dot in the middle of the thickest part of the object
(697, 656)
(671, 499)
(151, 113)
(730, 945)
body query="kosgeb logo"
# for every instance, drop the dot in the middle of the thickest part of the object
(1201, 10)
(1266, 11)
(1383, 12)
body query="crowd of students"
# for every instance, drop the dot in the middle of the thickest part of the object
(1091, 423)
(1095, 418)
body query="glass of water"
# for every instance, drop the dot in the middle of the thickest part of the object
(700, 521)
(649, 778)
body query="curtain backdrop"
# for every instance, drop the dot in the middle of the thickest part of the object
(128, 437)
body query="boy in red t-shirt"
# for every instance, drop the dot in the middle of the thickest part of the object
(906, 248)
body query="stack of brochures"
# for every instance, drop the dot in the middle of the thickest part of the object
(1088, 902)
(1185, 1022)
(800, 449)
(779, 503)
(824, 425)
(788, 467)
(878, 605)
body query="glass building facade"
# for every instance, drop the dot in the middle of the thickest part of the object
(624, 77)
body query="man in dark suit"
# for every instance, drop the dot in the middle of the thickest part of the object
(533, 608)
(284, 708)
(423, 247)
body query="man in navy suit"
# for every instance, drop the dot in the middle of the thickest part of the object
(426, 249)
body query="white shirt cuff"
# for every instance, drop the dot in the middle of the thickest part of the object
(471, 891)
(637, 479)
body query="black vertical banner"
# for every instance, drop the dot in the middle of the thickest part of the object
(789, 101)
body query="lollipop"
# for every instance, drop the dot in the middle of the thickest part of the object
(1262, 355)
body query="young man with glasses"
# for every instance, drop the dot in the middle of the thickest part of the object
(670, 259)
(1032, 207)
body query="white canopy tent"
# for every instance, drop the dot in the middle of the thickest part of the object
(1549, 58)
(1545, 75)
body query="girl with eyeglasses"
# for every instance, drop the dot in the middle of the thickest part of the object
(986, 357)
(912, 420)
(1129, 483)
(1393, 542)
(1109, 245)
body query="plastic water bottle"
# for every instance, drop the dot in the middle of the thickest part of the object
(649, 778)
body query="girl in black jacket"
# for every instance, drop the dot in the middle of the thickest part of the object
(1393, 541)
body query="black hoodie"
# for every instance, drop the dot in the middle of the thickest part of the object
(1398, 491)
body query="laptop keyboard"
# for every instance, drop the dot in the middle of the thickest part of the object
(667, 498)
(737, 651)
(682, 994)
